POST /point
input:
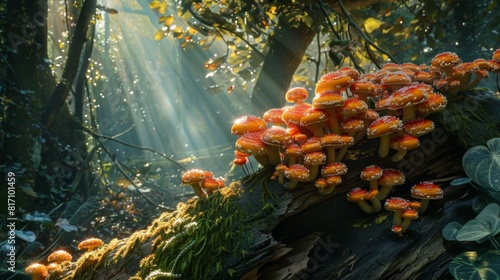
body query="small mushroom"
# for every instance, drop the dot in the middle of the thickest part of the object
(60, 256)
(90, 244)
(37, 271)
(426, 191)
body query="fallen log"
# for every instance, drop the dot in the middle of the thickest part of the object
(254, 229)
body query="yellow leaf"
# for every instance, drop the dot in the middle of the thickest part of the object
(154, 4)
(159, 35)
(167, 20)
(372, 24)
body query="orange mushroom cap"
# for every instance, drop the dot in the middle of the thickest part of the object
(404, 142)
(396, 78)
(328, 99)
(293, 114)
(496, 55)
(435, 102)
(247, 124)
(419, 127)
(356, 194)
(352, 124)
(353, 106)
(333, 180)
(59, 256)
(333, 81)
(296, 95)
(391, 67)
(372, 172)
(274, 116)
(276, 136)
(384, 125)
(210, 183)
(90, 244)
(426, 190)
(315, 158)
(410, 66)
(334, 168)
(36, 270)
(408, 96)
(297, 172)
(445, 59)
(353, 73)
(313, 117)
(193, 176)
(391, 177)
(240, 161)
(332, 140)
(251, 143)
(409, 213)
(313, 144)
(396, 204)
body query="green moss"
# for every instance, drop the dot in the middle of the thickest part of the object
(472, 117)
(196, 241)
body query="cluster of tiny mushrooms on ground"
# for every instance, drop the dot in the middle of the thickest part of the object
(306, 142)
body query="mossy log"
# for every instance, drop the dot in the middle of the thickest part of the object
(257, 230)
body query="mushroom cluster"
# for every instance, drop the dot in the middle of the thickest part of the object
(450, 75)
(203, 182)
(306, 142)
(57, 259)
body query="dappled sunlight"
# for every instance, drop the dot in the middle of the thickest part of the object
(163, 93)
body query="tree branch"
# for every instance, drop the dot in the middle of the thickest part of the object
(58, 97)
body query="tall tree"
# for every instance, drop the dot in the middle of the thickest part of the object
(39, 141)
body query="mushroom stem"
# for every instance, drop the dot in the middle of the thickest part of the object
(383, 149)
(406, 223)
(333, 122)
(313, 171)
(197, 190)
(365, 207)
(376, 205)
(399, 155)
(341, 153)
(396, 220)
(327, 190)
(374, 185)
(423, 206)
(262, 160)
(291, 185)
(274, 156)
(330, 154)
(385, 190)
(408, 114)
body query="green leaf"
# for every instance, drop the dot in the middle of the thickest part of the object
(460, 181)
(474, 230)
(451, 230)
(485, 224)
(482, 164)
(478, 203)
(472, 265)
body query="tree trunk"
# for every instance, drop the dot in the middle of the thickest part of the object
(27, 80)
(286, 50)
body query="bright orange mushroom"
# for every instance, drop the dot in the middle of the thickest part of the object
(59, 256)
(90, 244)
(37, 271)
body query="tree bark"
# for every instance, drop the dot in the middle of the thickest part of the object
(57, 99)
(286, 50)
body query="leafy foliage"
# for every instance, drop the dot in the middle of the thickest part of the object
(471, 265)
(482, 165)
(485, 225)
